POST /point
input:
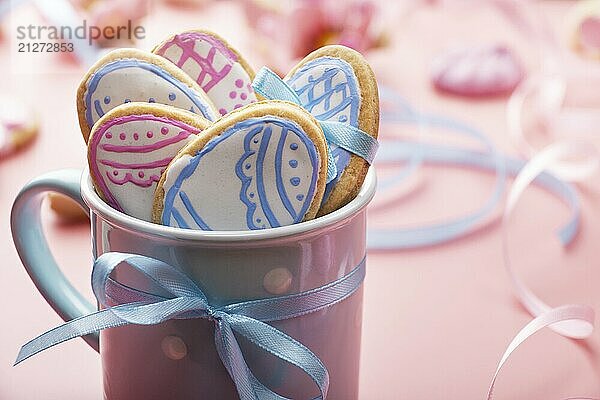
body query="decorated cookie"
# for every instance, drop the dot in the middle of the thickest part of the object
(262, 166)
(18, 125)
(131, 75)
(130, 147)
(217, 68)
(335, 83)
(67, 210)
(477, 71)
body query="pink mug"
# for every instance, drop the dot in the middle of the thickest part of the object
(177, 359)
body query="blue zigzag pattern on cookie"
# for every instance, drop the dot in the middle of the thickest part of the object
(267, 138)
(329, 90)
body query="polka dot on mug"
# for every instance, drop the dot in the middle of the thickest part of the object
(151, 100)
(237, 106)
(115, 173)
(108, 135)
(174, 347)
(294, 146)
(243, 96)
(232, 94)
(248, 166)
(136, 136)
(164, 130)
(300, 197)
(107, 100)
(293, 163)
(127, 101)
(172, 96)
(141, 174)
(122, 136)
(343, 118)
(239, 83)
(295, 181)
(149, 134)
(222, 111)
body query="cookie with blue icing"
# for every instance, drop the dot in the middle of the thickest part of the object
(335, 83)
(261, 166)
(131, 75)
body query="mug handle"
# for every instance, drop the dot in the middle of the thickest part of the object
(33, 249)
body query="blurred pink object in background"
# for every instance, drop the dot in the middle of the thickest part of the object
(186, 3)
(584, 26)
(310, 24)
(113, 13)
(488, 70)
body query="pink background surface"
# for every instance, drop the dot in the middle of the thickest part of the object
(436, 320)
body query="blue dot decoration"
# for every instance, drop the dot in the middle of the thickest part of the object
(151, 100)
(295, 181)
(107, 100)
(342, 118)
(255, 140)
(172, 96)
(294, 146)
(258, 220)
(127, 100)
(251, 195)
(293, 163)
(248, 166)
(300, 197)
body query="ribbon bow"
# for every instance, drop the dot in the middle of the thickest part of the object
(186, 301)
(269, 85)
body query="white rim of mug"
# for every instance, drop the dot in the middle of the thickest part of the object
(124, 221)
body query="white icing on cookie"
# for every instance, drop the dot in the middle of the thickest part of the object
(216, 69)
(128, 155)
(130, 79)
(259, 173)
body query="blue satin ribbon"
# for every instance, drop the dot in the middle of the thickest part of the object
(416, 153)
(269, 85)
(185, 300)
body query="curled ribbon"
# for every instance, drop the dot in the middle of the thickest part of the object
(416, 153)
(269, 85)
(576, 329)
(574, 321)
(550, 92)
(186, 301)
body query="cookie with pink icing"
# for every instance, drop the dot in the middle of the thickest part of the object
(215, 66)
(131, 75)
(130, 147)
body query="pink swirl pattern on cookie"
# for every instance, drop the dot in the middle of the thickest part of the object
(127, 156)
(214, 66)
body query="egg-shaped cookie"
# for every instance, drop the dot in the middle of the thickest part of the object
(131, 75)
(261, 166)
(129, 149)
(214, 64)
(335, 83)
